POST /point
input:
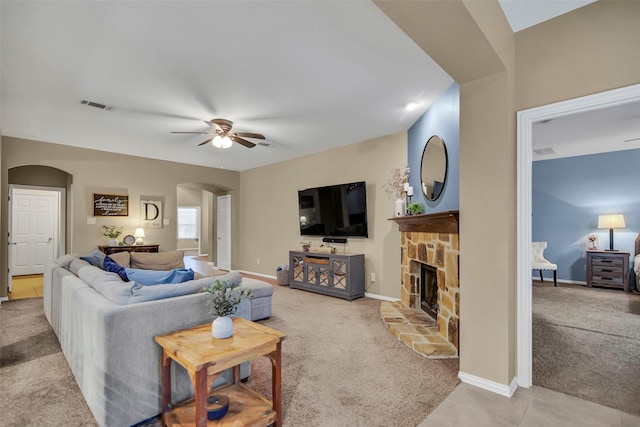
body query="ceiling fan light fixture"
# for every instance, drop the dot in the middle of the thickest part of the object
(217, 141)
(226, 142)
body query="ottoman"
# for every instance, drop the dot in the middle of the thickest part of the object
(260, 299)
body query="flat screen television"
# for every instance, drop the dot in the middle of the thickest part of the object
(334, 210)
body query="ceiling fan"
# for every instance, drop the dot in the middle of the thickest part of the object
(223, 136)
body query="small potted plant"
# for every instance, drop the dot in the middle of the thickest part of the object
(112, 232)
(415, 208)
(306, 246)
(225, 299)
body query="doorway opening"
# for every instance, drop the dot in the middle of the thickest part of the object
(36, 235)
(525, 121)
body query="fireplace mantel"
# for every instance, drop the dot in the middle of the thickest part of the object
(442, 222)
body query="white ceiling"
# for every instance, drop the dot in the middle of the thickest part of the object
(309, 75)
(523, 14)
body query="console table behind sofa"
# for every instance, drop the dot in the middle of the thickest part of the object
(108, 250)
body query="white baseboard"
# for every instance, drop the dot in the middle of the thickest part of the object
(492, 386)
(4, 299)
(268, 276)
(381, 297)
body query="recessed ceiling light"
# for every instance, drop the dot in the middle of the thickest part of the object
(412, 106)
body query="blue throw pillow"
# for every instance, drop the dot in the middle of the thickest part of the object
(152, 277)
(114, 267)
(95, 258)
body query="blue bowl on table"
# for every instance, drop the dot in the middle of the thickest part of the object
(217, 406)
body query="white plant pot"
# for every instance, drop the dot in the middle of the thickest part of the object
(222, 327)
(113, 242)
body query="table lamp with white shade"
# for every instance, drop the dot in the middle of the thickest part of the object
(611, 222)
(139, 234)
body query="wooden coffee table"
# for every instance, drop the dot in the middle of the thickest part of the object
(205, 358)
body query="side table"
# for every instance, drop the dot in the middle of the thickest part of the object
(609, 269)
(205, 358)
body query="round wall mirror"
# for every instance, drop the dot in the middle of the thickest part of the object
(433, 169)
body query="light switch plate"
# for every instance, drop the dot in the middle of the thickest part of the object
(166, 221)
(91, 220)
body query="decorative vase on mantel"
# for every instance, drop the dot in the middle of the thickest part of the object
(222, 327)
(113, 242)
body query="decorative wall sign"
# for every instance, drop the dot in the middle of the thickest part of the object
(151, 213)
(110, 205)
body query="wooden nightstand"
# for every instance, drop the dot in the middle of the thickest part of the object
(608, 268)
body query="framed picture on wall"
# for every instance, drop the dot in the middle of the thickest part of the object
(151, 213)
(110, 205)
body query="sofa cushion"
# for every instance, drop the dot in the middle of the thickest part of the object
(152, 277)
(233, 278)
(113, 267)
(111, 286)
(123, 258)
(76, 264)
(258, 288)
(158, 260)
(65, 260)
(94, 258)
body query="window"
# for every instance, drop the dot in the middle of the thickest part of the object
(188, 222)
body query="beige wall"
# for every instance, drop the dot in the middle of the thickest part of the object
(590, 50)
(269, 208)
(101, 172)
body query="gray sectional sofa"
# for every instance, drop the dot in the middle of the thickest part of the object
(106, 329)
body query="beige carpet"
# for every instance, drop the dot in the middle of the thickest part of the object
(586, 343)
(340, 368)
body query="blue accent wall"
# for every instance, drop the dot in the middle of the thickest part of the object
(442, 119)
(567, 197)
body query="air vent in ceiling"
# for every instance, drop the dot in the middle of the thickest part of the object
(547, 151)
(96, 105)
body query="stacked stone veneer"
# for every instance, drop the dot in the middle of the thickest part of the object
(442, 251)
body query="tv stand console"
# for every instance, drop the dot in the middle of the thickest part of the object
(338, 275)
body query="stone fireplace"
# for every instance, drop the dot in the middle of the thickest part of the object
(429, 280)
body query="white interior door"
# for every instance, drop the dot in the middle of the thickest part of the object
(224, 232)
(34, 230)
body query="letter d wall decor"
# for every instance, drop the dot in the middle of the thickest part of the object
(151, 213)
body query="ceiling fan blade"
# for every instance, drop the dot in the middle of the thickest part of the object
(200, 133)
(242, 141)
(250, 135)
(208, 140)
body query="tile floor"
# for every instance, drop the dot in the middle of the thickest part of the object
(535, 407)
